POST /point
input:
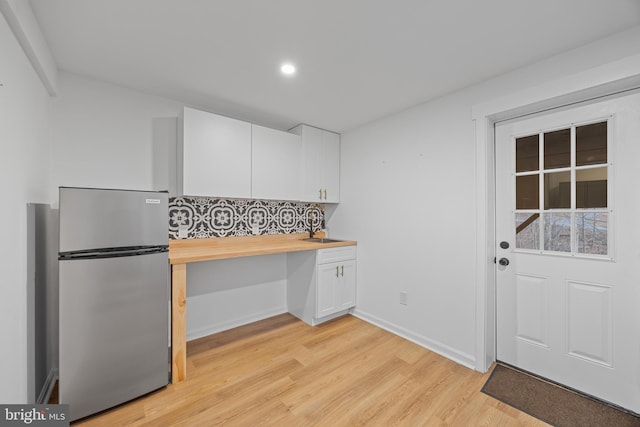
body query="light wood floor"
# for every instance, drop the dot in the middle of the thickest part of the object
(282, 372)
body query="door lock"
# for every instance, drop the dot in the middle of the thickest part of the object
(503, 261)
(504, 244)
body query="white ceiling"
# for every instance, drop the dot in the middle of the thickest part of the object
(358, 60)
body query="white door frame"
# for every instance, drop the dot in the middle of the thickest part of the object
(600, 81)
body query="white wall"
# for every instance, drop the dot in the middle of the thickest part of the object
(24, 177)
(102, 134)
(227, 293)
(408, 197)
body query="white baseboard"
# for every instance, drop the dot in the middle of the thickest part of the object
(47, 387)
(443, 350)
(223, 326)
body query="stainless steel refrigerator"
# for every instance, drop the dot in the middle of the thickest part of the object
(114, 297)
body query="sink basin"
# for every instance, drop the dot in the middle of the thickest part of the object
(321, 240)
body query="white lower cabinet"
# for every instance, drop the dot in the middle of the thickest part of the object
(335, 288)
(321, 285)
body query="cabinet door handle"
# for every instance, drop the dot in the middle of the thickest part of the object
(320, 191)
(337, 271)
(342, 270)
(325, 194)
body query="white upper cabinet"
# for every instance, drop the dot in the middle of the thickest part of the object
(216, 155)
(275, 159)
(331, 155)
(320, 163)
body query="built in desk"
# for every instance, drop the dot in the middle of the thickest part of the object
(183, 252)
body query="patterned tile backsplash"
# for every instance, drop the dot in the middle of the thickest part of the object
(203, 217)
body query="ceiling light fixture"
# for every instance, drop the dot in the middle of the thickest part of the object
(288, 69)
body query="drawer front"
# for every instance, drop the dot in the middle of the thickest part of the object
(336, 254)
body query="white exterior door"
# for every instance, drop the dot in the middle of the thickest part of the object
(567, 223)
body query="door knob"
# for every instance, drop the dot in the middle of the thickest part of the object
(503, 261)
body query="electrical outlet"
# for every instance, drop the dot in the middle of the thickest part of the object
(404, 296)
(255, 230)
(183, 231)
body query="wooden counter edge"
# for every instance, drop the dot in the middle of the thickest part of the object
(196, 250)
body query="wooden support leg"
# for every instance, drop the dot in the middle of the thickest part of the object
(179, 322)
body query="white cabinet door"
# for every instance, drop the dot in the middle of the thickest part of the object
(346, 289)
(275, 164)
(216, 155)
(336, 287)
(331, 163)
(310, 162)
(320, 163)
(326, 287)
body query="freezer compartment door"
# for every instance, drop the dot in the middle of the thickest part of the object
(94, 218)
(114, 323)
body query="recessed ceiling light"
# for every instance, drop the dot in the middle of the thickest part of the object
(288, 69)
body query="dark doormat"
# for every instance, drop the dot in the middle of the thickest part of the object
(552, 403)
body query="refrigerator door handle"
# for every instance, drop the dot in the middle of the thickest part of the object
(112, 252)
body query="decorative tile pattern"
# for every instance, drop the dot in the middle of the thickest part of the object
(204, 217)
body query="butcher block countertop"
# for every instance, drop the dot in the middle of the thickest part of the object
(185, 251)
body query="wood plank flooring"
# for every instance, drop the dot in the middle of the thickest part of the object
(282, 372)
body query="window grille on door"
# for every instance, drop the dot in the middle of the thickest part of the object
(562, 202)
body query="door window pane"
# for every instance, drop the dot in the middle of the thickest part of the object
(591, 232)
(557, 190)
(557, 149)
(564, 196)
(527, 153)
(591, 144)
(591, 188)
(528, 230)
(557, 232)
(527, 192)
